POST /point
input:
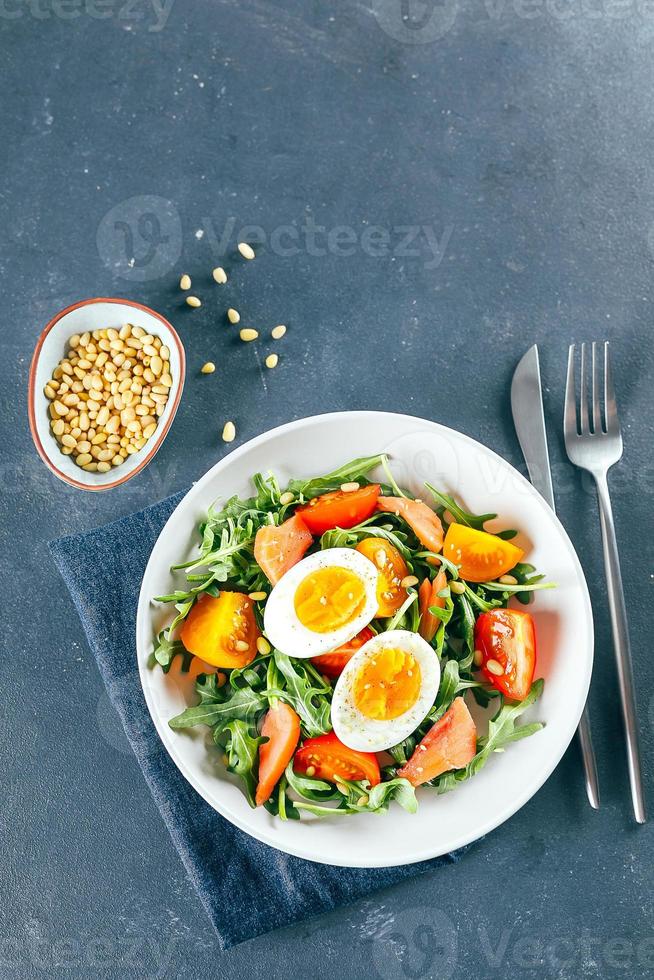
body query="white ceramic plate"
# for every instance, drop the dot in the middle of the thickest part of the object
(483, 482)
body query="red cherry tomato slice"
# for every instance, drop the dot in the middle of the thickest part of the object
(331, 664)
(339, 509)
(506, 639)
(325, 757)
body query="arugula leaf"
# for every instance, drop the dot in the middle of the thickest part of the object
(242, 750)
(241, 704)
(165, 650)
(360, 797)
(314, 790)
(355, 470)
(446, 502)
(305, 690)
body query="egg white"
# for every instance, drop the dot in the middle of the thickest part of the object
(281, 624)
(357, 731)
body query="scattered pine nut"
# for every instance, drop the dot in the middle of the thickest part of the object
(208, 368)
(272, 361)
(278, 332)
(246, 250)
(349, 487)
(458, 587)
(508, 580)
(287, 497)
(219, 274)
(409, 581)
(248, 333)
(185, 282)
(494, 667)
(363, 801)
(229, 432)
(257, 596)
(477, 658)
(263, 646)
(233, 315)
(193, 301)
(311, 771)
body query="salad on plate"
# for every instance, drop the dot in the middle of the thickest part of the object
(339, 630)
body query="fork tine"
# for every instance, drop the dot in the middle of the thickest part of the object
(610, 405)
(596, 389)
(583, 399)
(570, 410)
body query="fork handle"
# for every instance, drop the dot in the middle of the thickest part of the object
(621, 645)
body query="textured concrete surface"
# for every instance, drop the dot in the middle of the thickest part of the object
(432, 196)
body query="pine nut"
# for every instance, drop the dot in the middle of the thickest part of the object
(272, 361)
(219, 274)
(233, 315)
(409, 581)
(278, 332)
(349, 487)
(477, 658)
(263, 647)
(494, 667)
(257, 597)
(229, 432)
(185, 282)
(193, 301)
(101, 404)
(208, 368)
(286, 498)
(248, 333)
(246, 250)
(458, 587)
(503, 579)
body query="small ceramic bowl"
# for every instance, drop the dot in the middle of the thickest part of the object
(97, 314)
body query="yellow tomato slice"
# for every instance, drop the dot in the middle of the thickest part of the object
(222, 630)
(481, 556)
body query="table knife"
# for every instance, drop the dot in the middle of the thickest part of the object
(529, 421)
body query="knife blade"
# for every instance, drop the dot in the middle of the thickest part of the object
(529, 420)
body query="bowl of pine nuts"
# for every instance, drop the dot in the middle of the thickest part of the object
(105, 382)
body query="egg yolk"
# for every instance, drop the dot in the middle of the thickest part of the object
(329, 598)
(387, 684)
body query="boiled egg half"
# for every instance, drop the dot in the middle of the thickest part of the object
(385, 691)
(321, 602)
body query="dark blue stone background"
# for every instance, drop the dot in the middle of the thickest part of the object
(522, 140)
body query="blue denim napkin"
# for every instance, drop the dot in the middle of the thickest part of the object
(246, 887)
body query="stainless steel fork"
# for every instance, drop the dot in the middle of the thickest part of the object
(594, 443)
